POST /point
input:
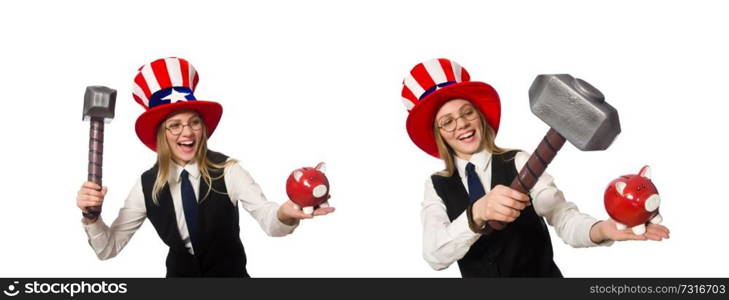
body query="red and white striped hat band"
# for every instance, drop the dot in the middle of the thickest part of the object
(429, 76)
(165, 80)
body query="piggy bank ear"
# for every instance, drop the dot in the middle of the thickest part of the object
(620, 187)
(645, 172)
(298, 174)
(321, 167)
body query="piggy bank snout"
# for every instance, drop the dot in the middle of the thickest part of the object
(652, 203)
(319, 191)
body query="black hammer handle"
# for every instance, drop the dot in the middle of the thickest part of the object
(535, 166)
(96, 152)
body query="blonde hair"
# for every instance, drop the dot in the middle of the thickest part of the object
(447, 154)
(205, 165)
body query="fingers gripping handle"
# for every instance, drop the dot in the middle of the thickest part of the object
(96, 152)
(535, 166)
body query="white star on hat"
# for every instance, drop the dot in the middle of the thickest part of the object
(176, 96)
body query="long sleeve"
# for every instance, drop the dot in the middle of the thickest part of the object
(107, 241)
(242, 188)
(572, 226)
(444, 242)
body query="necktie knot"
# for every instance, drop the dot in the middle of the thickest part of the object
(470, 169)
(184, 174)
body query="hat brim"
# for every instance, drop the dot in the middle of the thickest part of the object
(422, 117)
(147, 123)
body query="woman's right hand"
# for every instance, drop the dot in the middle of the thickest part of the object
(90, 194)
(502, 204)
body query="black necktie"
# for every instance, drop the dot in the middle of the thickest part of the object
(189, 204)
(475, 188)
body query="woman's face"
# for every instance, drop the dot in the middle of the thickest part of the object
(460, 126)
(183, 133)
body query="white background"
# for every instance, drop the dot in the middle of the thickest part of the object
(302, 82)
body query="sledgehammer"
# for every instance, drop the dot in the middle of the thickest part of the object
(575, 111)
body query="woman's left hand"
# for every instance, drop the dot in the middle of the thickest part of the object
(289, 213)
(608, 230)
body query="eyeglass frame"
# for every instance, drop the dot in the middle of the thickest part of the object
(196, 118)
(461, 115)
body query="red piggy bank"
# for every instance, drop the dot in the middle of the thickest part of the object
(308, 188)
(632, 201)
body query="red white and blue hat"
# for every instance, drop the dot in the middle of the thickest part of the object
(431, 84)
(165, 86)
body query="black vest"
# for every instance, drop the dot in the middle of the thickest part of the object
(522, 249)
(220, 252)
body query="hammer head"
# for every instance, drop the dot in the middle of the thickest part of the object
(99, 102)
(575, 109)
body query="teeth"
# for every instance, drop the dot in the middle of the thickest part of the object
(187, 143)
(466, 135)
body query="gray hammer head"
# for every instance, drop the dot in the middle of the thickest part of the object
(99, 102)
(575, 109)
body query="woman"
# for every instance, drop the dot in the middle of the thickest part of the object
(457, 120)
(191, 194)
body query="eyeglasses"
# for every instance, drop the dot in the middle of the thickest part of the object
(449, 124)
(176, 127)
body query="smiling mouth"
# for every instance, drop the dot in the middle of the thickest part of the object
(466, 135)
(187, 145)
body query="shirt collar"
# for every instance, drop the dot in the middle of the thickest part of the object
(176, 170)
(480, 159)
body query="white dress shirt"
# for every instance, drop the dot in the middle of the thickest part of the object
(107, 241)
(445, 242)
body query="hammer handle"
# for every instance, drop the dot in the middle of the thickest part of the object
(96, 152)
(535, 166)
